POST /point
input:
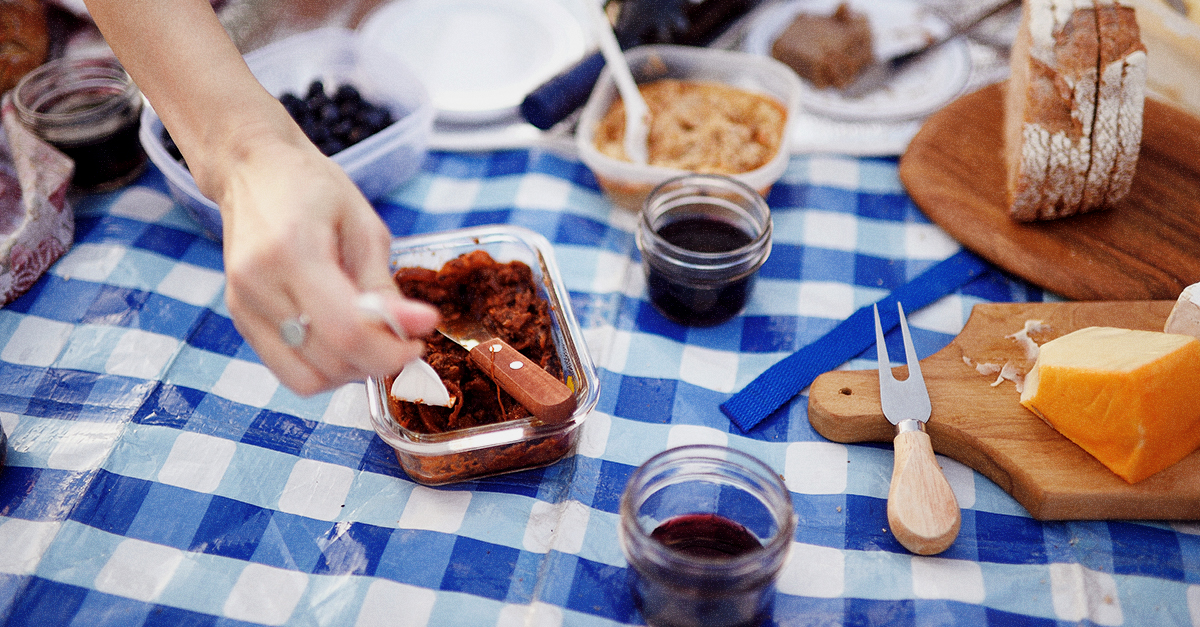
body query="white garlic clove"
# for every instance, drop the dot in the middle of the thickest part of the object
(418, 382)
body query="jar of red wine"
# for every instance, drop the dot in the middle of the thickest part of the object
(706, 530)
(702, 238)
(89, 109)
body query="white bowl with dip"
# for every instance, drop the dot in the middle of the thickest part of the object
(627, 184)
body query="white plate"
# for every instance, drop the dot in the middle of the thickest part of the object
(478, 58)
(897, 26)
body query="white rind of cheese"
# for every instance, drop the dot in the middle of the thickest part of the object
(1185, 316)
(418, 382)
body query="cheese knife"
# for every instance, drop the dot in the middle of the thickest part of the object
(547, 398)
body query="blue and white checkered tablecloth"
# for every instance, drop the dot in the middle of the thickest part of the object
(158, 474)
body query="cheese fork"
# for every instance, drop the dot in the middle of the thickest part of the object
(922, 510)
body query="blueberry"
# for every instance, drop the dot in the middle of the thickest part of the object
(358, 133)
(328, 113)
(342, 129)
(332, 146)
(292, 103)
(336, 122)
(315, 88)
(170, 146)
(317, 133)
(374, 117)
(347, 93)
(316, 103)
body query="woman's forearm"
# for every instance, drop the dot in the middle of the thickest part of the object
(187, 66)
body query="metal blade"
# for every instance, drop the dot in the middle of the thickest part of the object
(465, 331)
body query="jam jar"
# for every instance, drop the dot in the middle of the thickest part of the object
(702, 238)
(89, 108)
(706, 531)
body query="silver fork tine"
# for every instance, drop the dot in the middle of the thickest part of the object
(916, 392)
(887, 382)
(881, 351)
(907, 399)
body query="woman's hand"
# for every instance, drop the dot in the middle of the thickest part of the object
(301, 243)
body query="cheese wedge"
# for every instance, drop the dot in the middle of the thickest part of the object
(1130, 398)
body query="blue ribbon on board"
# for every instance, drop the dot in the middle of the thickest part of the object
(784, 380)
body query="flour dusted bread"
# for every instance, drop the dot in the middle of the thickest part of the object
(1117, 136)
(1073, 108)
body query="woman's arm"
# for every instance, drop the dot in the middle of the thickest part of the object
(299, 238)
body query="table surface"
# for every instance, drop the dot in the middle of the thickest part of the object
(158, 474)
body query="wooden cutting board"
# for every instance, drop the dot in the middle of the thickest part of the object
(985, 427)
(1145, 247)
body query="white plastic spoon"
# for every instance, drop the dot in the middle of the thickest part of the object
(637, 114)
(417, 382)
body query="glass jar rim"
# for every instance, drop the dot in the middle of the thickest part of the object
(742, 565)
(66, 75)
(699, 259)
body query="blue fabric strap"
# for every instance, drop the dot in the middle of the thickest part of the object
(855, 334)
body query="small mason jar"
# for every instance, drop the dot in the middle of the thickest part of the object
(706, 530)
(89, 108)
(702, 238)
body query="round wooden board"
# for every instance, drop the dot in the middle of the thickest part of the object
(1146, 247)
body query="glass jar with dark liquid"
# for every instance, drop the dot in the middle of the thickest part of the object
(702, 238)
(89, 109)
(706, 531)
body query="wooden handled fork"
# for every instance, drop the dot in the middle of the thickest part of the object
(922, 510)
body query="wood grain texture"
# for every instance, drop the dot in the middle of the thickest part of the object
(922, 510)
(1145, 247)
(547, 398)
(986, 428)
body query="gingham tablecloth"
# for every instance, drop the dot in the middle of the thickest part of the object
(158, 474)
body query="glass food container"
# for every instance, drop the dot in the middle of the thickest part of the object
(89, 108)
(476, 452)
(706, 531)
(703, 238)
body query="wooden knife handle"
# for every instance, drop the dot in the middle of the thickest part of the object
(922, 510)
(547, 398)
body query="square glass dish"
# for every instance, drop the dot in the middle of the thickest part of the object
(627, 184)
(336, 56)
(476, 452)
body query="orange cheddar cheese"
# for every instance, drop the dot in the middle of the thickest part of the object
(1130, 398)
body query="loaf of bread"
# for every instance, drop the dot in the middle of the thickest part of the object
(1073, 107)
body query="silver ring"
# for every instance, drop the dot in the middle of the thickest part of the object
(293, 331)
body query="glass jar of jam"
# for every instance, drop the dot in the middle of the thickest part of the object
(88, 108)
(706, 530)
(702, 238)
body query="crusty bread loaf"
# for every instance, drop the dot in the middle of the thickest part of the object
(1121, 55)
(1073, 108)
